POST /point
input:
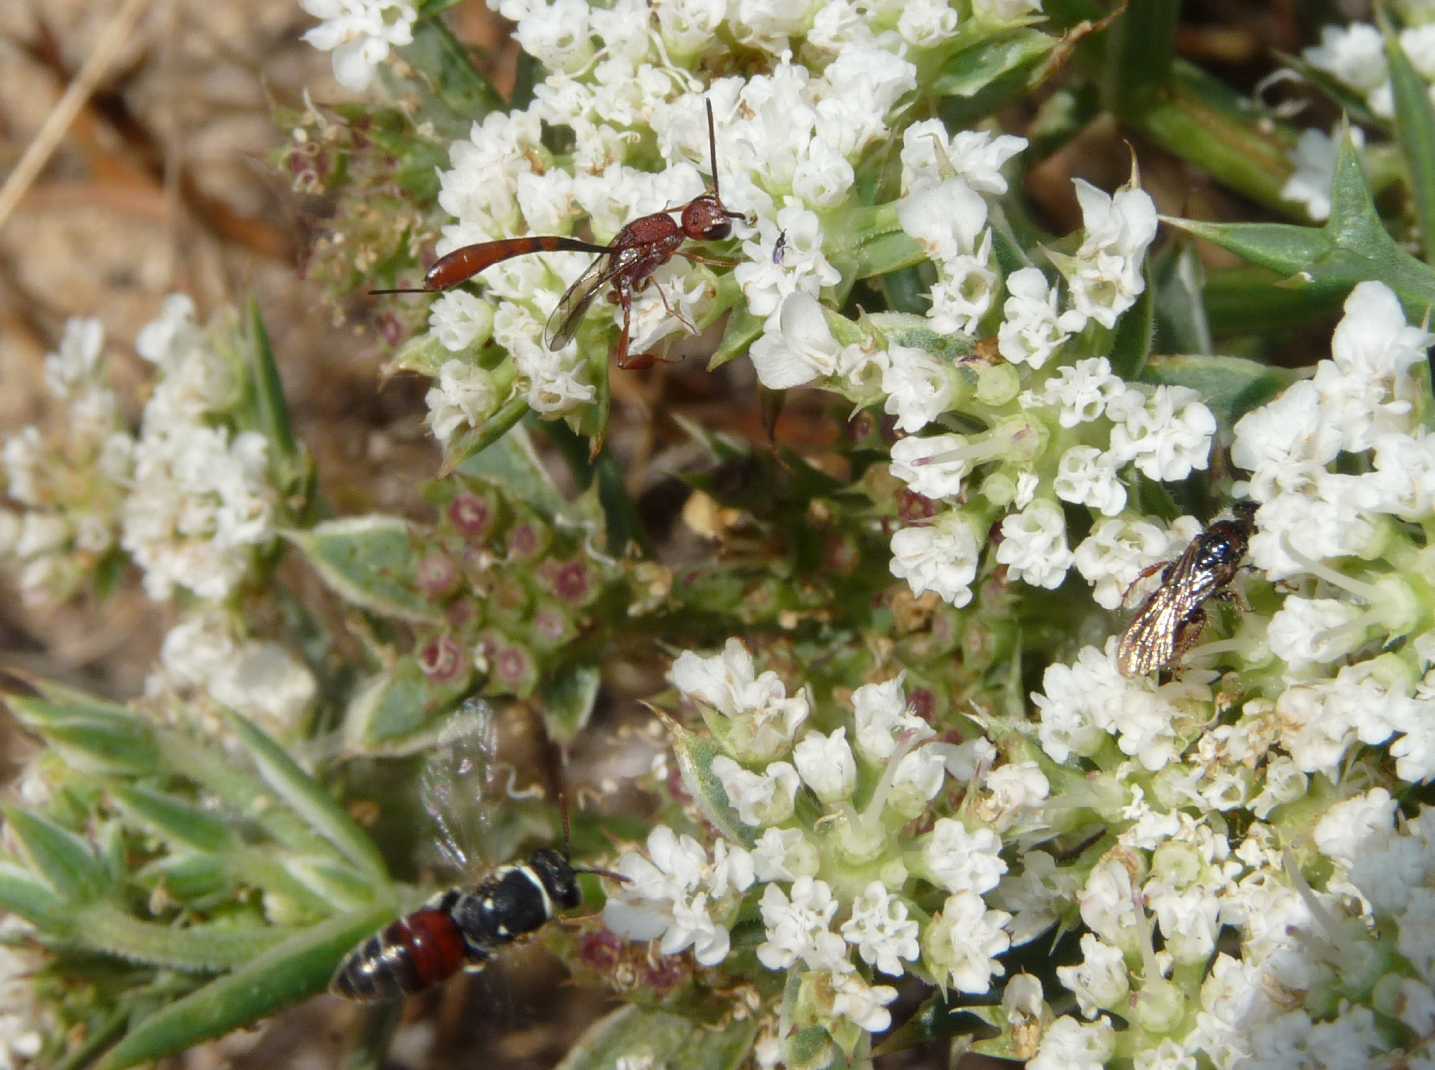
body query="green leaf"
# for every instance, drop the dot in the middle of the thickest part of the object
(1131, 344)
(451, 93)
(372, 562)
(1230, 386)
(93, 737)
(1015, 51)
(695, 753)
(742, 330)
(1256, 300)
(1415, 130)
(1329, 261)
(102, 926)
(175, 821)
(31, 899)
(643, 1036)
(1180, 277)
(567, 701)
(280, 977)
(1200, 120)
(239, 790)
(307, 798)
(1139, 50)
(266, 396)
(474, 441)
(397, 712)
(65, 861)
(513, 464)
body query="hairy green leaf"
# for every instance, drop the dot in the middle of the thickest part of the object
(372, 562)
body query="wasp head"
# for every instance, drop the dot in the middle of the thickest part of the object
(705, 218)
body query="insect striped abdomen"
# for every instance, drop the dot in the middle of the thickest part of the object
(410, 955)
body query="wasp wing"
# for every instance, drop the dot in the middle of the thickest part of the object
(1150, 640)
(457, 784)
(568, 313)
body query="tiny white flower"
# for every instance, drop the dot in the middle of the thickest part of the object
(1073, 1045)
(1033, 545)
(960, 944)
(1104, 277)
(1354, 826)
(1314, 158)
(1310, 631)
(763, 719)
(797, 927)
(464, 397)
(854, 999)
(880, 929)
(800, 351)
(919, 387)
(826, 765)
(948, 219)
(76, 362)
(459, 320)
(939, 479)
(1167, 437)
(881, 713)
(1355, 54)
(1100, 981)
(732, 870)
(963, 861)
(760, 798)
(941, 556)
(360, 34)
(1087, 476)
(784, 854)
(1030, 333)
(1082, 390)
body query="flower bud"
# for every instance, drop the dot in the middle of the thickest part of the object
(826, 765)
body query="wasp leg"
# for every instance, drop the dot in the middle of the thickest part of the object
(711, 261)
(1149, 570)
(670, 310)
(1187, 632)
(638, 361)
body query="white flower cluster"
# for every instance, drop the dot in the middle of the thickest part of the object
(1354, 56)
(1306, 978)
(68, 479)
(789, 140)
(201, 657)
(188, 499)
(1162, 432)
(821, 919)
(360, 34)
(200, 502)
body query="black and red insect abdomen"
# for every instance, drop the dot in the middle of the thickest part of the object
(410, 955)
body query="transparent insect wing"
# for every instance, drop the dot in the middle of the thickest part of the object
(459, 784)
(568, 313)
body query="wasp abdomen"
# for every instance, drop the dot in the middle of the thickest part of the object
(410, 955)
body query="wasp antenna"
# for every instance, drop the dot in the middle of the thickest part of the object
(400, 290)
(610, 874)
(712, 147)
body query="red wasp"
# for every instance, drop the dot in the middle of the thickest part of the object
(639, 249)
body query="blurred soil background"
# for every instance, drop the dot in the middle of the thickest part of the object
(166, 181)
